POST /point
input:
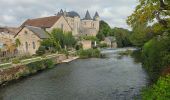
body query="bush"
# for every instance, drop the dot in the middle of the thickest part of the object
(159, 91)
(90, 53)
(48, 63)
(156, 56)
(103, 45)
(40, 51)
(40, 65)
(15, 61)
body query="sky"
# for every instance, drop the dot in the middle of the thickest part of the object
(114, 12)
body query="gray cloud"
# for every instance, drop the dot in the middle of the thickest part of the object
(115, 12)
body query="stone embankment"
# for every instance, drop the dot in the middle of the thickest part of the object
(16, 71)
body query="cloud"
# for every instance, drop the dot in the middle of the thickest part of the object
(115, 12)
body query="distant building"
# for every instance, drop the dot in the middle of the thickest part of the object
(7, 41)
(110, 41)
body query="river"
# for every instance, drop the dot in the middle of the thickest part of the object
(111, 78)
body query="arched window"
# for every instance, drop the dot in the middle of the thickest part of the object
(33, 45)
(26, 46)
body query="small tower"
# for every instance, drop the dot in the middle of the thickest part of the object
(87, 16)
(96, 16)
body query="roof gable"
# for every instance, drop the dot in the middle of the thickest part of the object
(37, 31)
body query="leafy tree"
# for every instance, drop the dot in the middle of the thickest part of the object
(104, 28)
(58, 40)
(122, 37)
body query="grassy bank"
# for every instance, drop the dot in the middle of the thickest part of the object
(89, 53)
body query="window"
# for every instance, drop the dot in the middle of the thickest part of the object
(26, 46)
(33, 45)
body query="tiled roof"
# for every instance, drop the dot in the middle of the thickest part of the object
(45, 22)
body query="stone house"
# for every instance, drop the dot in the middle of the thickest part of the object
(7, 41)
(110, 41)
(30, 38)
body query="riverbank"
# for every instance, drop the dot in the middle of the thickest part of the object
(31, 66)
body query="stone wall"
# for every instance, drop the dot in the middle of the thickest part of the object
(17, 71)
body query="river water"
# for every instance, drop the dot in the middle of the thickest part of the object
(113, 78)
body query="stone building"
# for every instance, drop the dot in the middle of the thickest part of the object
(49, 23)
(7, 41)
(110, 41)
(87, 26)
(30, 38)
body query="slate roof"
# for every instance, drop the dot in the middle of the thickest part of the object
(38, 31)
(42, 34)
(87, 16)
(73, 14)
(96, 15)
(45, 22)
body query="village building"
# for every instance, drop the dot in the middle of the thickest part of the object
(7, 41)
(110, 41)
(30, 38)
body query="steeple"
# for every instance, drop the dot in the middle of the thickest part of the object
(96, 16)
(87, 16)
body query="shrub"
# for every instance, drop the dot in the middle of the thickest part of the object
(48, 63)
(89, 53)
(40, 65)
(40, 51)
(103, 45)
(156, 56)
(159, 91)
(15, 61)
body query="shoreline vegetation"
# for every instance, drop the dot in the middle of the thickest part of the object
(17, 70)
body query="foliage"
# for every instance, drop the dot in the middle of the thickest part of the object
(159, 91)
(145, 12)
(104, 28)
(41, 50)
(90, 53)
(58, 40)
(100, 36)
(122, 37)
(49, 63)
(92, 38)
(40, 65)
(156, 55)
(15, 61)
(103, 45)
(17, 42)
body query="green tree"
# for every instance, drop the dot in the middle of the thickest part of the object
(122, 37)
(104, 28)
